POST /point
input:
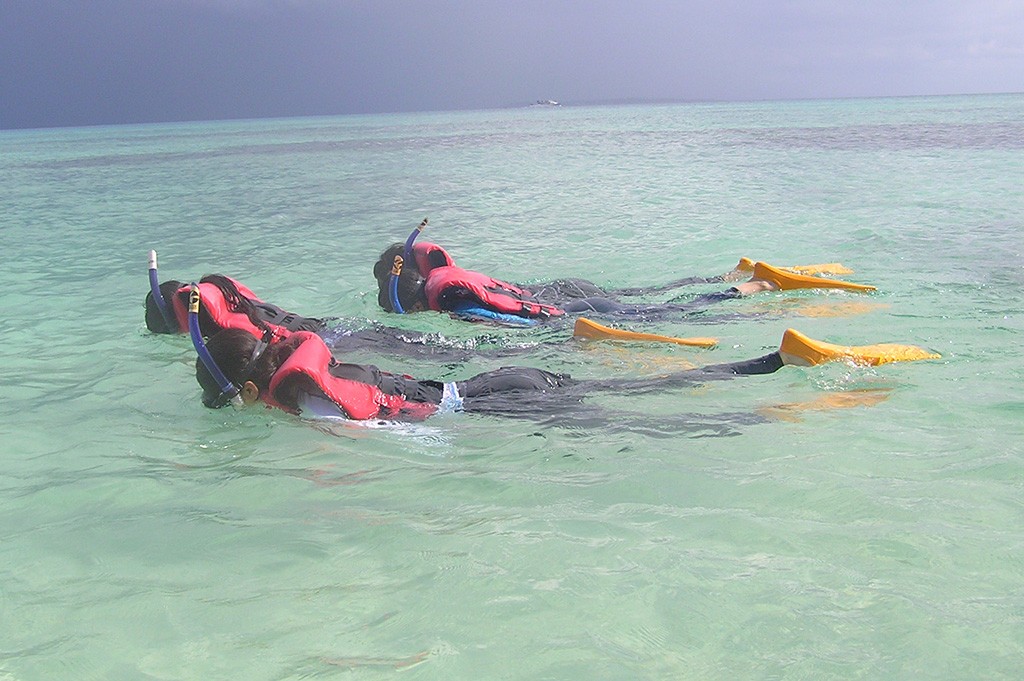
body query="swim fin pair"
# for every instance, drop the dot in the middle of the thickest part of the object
(801, 350)
(796, 348)
(747, 265)
(786, 280)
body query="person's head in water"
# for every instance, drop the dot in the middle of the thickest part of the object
(232, 350)
(411, 292)
(155, 321)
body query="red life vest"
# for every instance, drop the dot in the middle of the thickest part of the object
(488, 292)
(217, 309)
(429, 256)
(311, 360)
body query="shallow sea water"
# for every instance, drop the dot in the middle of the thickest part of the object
(820, 523)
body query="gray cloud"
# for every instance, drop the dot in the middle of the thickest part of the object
(111, 61)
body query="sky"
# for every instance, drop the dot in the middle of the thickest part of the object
(97, 62)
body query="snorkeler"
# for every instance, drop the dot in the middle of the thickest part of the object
(229, 304)
(301, 376)
(415, 277)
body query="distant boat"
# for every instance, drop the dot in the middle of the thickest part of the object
(545, 102)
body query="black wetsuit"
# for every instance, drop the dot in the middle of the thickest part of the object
(558, 399)
(579, 296)
(381, 339)
(500, 390)
(555, 399)
(341, 338)
(516, 390)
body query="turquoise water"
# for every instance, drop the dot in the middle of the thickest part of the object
(145, 537)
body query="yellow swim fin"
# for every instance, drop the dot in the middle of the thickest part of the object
(586, 328)
(821, 268)
(787, 281)
(801, 350)
(744, 265)
(791, 411)
(747, 265)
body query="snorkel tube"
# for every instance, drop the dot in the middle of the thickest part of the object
(396, 269)
(228, 390)
(158, 298)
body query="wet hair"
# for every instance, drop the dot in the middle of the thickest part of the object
(155, 321)
(235, 300)
(410, 281)
(232, 350)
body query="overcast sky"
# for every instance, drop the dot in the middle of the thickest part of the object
(88, 62)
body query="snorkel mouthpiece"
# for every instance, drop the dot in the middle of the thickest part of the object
(228, 390)
(158, 298)
(396, 269)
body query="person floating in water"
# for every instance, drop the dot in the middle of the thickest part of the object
(301, 376)
(229, 304)
(415, 277)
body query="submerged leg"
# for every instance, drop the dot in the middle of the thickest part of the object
(664, 288)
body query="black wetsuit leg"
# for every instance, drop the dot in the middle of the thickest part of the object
(664, 288)
(573, 289)
(518, 392)
(563, 290)
(526, 391)
(650, 311)
(391, 341)
(511, 379)
(768, 364)
(595, 304)
(387, 340)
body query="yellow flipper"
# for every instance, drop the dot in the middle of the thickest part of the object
(787, 281)
(586, 328)
(821, 268)
(791, 411)
(801, 350)
(747, 265)
(847, 308)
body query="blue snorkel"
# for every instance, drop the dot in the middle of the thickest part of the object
(396, 268)
(228, 390)
(158, 298)
(396, 271)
